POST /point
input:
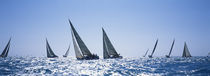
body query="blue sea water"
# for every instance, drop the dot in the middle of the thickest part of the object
(198, 66)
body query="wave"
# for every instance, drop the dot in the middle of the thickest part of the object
(125, 66)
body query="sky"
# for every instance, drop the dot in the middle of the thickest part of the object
(133, 26)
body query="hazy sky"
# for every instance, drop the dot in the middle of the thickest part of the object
(132, 25)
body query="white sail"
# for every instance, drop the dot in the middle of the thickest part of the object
(76, 48)
(6, 50)
(186, 52)
(79, 45)
(50, 53)
(67, 52)
(109, 50)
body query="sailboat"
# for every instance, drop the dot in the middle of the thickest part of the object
(168, 56)
(208, 54)
(186, 52)
(67, 52)
(146, 53)
(5, 52)
(50, 53)
(81, 50)
(108, 49)
(150, 56)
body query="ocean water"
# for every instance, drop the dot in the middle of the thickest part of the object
(198, 66)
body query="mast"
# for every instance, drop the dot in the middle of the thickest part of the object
(6, 50)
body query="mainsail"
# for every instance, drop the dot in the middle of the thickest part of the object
(6, 50)
(81, 50)
(76, 48)
(108, 49)
(170, 49)
(153, 49)
(208, 54)
(67, 52)
(146, 53)
(186, 52)
(105, 51)
(50, 53)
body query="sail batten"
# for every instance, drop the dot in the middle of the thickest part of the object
(186, 52)
(6, 50)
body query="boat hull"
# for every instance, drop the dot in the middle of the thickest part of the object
(150, 56)
(53, 57)
(167, 56)
(2, 57)
(119, 57)
(64, 56)
(93, 57)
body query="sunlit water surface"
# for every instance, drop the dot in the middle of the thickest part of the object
(125, 66)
